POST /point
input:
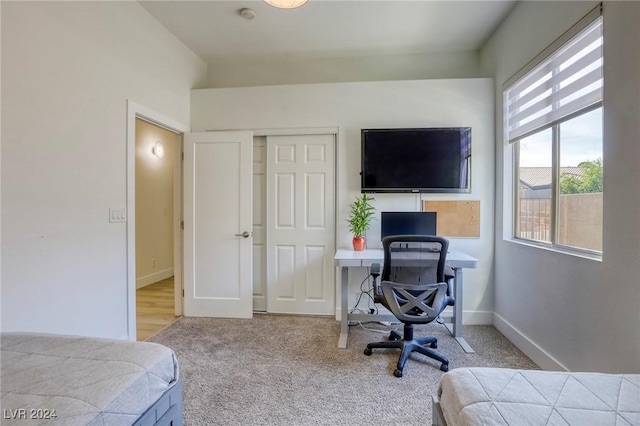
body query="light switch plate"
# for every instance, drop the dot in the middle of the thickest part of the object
(117, 214)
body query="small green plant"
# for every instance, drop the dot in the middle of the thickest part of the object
(361, 215)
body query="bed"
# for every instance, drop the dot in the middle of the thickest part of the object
(497, 396)
(53, 380)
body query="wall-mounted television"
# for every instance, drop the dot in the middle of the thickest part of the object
(416, 160)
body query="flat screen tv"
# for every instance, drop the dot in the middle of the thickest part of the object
(416, 160)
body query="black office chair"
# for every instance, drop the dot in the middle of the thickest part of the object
(415, 290)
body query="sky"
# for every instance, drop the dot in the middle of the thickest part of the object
(577, 144)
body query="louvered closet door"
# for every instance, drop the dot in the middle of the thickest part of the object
(300, 224)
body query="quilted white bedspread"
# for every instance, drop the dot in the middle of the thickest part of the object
(69, 380)
(496, 396)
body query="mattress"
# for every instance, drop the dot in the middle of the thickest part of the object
(496, 396)
(55, 379)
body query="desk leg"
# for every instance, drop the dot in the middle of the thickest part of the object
(457, 312)
(344, 307)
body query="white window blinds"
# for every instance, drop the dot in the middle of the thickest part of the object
(562, 84)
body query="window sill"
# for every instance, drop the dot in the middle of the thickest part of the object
(557, 249)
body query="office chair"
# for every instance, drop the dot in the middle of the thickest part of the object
(414, 289)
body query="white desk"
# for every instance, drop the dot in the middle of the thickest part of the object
(346, 258)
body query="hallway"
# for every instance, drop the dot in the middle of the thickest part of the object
(154, 308)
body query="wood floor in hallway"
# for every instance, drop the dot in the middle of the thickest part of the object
(154, 308)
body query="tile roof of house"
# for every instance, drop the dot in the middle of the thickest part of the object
(540, 177)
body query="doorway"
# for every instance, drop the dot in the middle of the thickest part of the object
(157, 177)
(161, 144)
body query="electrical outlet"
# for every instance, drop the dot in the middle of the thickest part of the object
(153, 263)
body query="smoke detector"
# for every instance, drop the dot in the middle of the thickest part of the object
(247, 13)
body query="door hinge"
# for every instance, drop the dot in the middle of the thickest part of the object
(182, 156)
(183, 292)
(182, 225)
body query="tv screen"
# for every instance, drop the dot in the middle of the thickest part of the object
(416, 160)
(407, 223)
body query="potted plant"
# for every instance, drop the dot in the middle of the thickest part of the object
(360, 217)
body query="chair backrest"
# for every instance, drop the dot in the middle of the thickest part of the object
(414, 259)
(413, 277)
(414, 303)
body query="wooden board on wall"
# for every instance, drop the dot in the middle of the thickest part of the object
(456, 218)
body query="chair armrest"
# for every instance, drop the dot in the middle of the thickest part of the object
(449, 275)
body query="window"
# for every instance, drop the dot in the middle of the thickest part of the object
(553, 119)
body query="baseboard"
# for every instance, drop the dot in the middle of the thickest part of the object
(477, 318)
(527, 346)
(154, 278)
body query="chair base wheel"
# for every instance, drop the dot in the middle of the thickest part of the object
(367, 351)
(444, 367)
(397, 372)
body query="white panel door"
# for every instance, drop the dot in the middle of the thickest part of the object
(217, 211)
(300, 224)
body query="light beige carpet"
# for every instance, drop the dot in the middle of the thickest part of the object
(287, 370)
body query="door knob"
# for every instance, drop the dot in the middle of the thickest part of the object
(245, 234)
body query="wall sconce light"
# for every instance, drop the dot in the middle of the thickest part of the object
(158, 150)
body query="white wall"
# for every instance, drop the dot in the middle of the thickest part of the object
(564, 311)
(353, 106)
(68, 69)
(154, 203)
(276, 70)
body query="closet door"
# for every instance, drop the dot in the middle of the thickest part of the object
(300, 224)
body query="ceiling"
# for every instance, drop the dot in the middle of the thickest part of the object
(215, 31)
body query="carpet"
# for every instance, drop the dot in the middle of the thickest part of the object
(287, 370)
